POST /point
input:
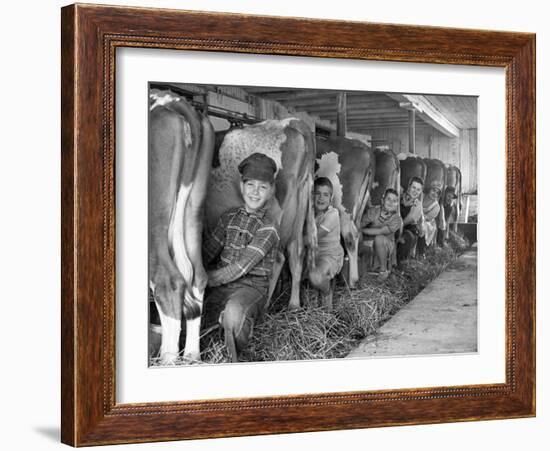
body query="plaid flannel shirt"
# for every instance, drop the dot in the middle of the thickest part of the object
(248, 243)
(377, 217)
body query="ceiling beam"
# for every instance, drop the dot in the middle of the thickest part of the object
(360, 115)
(291, 94)
(362, 129)
(370, 113)
(365, 106)
(427, 111)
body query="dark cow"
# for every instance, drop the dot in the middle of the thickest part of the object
(453, 207)
(411, 166)
(181, 145)
(386, 175)
(350, 166)
(290, 144)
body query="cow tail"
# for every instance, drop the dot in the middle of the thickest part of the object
(310, 228)
(310, 225)
(441, 222)
(191, 305)
(364, 194)
(192, 118)
(397, 187)
(459, 196)
(194, 294)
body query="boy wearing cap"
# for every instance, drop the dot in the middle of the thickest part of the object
(246, 238)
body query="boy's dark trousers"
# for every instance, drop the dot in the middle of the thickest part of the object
(237, 307)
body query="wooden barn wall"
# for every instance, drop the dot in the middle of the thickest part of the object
(430, 143)
(468, 159)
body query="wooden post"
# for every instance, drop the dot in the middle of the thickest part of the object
(467, 211)
(205, 102)
(412, 134)
(341, 114)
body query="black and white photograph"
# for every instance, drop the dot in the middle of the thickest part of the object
(245, 225)
(289, 224)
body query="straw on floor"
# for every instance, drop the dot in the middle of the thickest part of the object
(312, 332)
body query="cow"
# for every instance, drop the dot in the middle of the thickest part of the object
(350, 165)
(411, 166)
(386, 175)
(453, 206)
(289, 142)
(181, 144)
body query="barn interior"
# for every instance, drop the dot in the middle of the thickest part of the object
(442, 127)
(429, 126)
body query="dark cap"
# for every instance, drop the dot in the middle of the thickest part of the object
(450, 190)
(258, 167)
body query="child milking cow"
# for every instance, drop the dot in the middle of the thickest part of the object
(330, 254)
(246, 239)
(380, 225)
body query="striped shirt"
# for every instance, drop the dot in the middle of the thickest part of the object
(248, 243)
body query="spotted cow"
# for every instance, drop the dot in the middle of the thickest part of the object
(181, 144)
(289, 142)
(349, 164)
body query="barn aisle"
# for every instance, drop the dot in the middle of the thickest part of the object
(441, 319)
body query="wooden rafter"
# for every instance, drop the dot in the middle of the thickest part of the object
(427, 112)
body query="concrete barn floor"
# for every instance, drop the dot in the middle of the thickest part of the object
(442, 319)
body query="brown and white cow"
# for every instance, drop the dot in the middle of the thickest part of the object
(349, 164)
(289, 142)
(181, 144)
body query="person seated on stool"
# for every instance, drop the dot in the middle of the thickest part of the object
(430, 210)
(330, 254)
(380, 223)
(248, 239)
(411, 212)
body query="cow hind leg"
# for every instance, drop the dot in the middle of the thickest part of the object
(194, 218)
(171, 329)
(296, 249)
(192, 339)
(168, 303)
(352, 249)
(295, 262)
(275, 273)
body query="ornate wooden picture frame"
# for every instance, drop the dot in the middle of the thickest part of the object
(90, 37)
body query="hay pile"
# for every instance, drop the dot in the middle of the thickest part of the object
(315, 333)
